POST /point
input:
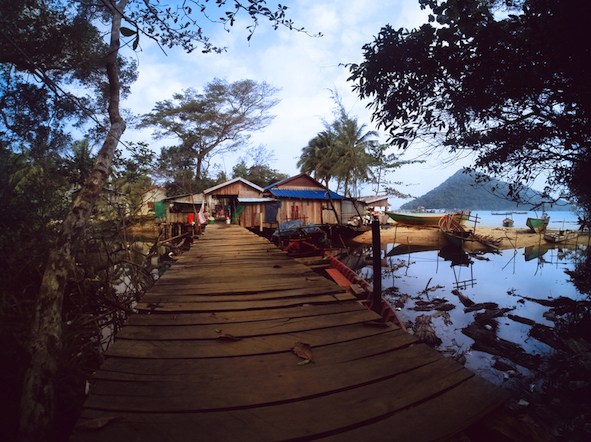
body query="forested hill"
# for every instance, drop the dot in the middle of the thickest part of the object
(460, 191)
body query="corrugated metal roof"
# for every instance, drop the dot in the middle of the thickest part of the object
(315, 194)
(255, 200)
(374, 199)
(196, 198)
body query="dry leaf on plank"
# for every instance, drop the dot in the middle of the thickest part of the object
(303, 350)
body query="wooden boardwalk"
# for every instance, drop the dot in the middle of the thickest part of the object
(211, 360)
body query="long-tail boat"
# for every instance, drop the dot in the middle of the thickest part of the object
(425, 219)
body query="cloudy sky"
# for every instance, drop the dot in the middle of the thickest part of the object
(305, 69)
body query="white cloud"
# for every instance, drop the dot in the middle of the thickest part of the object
(305, 69)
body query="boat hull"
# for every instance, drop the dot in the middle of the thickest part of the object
(537, 225)
(424, 219)
(562, 236)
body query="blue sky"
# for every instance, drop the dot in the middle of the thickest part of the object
(304, 68)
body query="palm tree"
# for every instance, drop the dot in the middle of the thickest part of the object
(352, 148)
(342, 151)
(317, 156)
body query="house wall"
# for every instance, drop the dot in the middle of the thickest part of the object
(301, 182)
(253, 215)
(239, 189)
(349, 210)
(309, 211)
(149, 198)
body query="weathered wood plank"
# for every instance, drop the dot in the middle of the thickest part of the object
(175, 369)
(297, 311)
(216, 347)
(448, 413)
(316, 378)
(246, 329)
(313, 417)
(179, 294)
(160, 304)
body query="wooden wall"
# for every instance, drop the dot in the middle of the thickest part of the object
(309, 211)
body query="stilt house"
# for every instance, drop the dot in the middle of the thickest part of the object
(238, 200)
(302, 197)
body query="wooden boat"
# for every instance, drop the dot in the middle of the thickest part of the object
(538, 225)
(508, 222)
(345, 277)
(297, 238)
(425, 220)
(560, 236)
(457, 235)
(454, 232)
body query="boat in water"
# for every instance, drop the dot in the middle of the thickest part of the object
(538, 225)
(560, 236)
(425, 219)
(296, 237)
(535, 251)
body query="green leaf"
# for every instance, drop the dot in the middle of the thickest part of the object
(127, 32)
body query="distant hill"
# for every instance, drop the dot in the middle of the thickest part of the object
(461, 191)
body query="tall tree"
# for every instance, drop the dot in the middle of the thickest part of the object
(340, 152)
(509, 86)
(317, 157)
(352, 145)
(49, 60)
(216, 121)
(259, 172)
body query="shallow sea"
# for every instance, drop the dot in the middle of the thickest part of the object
(514, 279)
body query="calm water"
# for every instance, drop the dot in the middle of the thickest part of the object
(558, 219)
(512, 279)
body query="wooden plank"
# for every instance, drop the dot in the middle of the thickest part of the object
(246, 329)
(317, 378)
(248, 346)
(179, 294)
(175, 369)
(160, 304)
(297, 311)
(448, 414)
(255, 286)
(311, 418)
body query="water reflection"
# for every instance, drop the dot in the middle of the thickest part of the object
(498, 313)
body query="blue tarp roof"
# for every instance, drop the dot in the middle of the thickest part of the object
(316, 194)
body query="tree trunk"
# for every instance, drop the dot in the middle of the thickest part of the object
(37, 401)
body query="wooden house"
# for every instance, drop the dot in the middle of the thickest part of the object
(149, 198)
(239, 201)
(377, 206)
(179, 214)
(302, 197)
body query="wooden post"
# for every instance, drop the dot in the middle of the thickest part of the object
(376, 301)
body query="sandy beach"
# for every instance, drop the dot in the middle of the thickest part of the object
(510, 237)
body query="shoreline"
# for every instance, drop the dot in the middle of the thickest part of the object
(510, 237)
